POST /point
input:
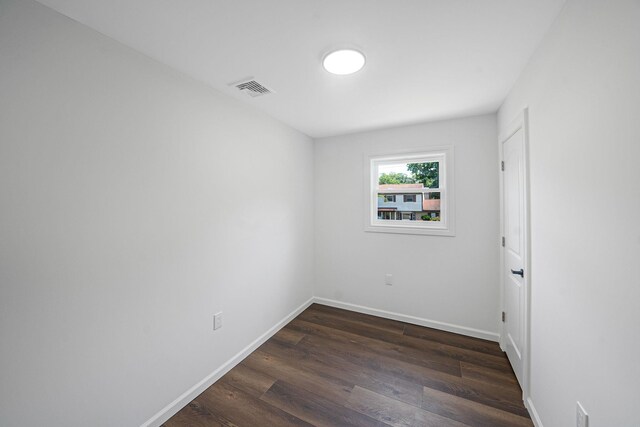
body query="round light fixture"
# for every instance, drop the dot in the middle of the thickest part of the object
(343, 61)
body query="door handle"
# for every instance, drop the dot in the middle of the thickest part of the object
(518, 272)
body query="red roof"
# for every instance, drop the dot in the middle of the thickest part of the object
(399, 186)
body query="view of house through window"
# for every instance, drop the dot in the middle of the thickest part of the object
(409, 191)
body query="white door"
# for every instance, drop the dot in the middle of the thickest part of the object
(515, 247)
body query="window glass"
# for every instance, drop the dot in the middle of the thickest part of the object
(410, 194)
(415, 187)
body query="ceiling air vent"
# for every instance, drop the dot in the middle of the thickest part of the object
(251, 88)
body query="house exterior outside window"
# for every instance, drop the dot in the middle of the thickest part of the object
(413, 203)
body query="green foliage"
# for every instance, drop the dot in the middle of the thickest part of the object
(426, 218)
(427, 173)
(395, 178)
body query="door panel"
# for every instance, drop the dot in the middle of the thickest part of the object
(514, 252)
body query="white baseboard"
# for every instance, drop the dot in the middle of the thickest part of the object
(532, 411)
(462, 330)
(168, 411)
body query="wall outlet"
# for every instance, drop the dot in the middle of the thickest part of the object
(388, 279)
(217, 321)
(582, 419)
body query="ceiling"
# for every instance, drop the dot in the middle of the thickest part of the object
(426, 59)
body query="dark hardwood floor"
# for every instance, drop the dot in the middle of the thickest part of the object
(331, 367)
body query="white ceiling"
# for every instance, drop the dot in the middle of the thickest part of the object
(426, 59)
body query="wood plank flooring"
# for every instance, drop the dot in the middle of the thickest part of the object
(331, 367)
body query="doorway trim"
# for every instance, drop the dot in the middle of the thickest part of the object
(520, 122)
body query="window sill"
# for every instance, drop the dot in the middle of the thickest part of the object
(408, 229)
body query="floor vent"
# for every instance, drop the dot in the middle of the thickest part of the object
(252, 88)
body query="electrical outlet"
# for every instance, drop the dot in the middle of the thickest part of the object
(388, 279)
(217, 321)
(582, 419)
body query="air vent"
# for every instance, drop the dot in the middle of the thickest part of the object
(252, 88)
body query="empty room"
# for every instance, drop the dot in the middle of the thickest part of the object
(319, 213)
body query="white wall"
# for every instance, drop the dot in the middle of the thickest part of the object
(116, 244)
(583, 92)
(445, 279)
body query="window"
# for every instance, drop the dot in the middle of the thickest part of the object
(411, 193)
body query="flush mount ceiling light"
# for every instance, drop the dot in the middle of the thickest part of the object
(343, 61)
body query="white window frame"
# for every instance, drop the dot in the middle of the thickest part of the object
(446, 225)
